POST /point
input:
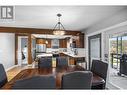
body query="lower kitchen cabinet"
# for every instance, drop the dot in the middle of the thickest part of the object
(72, 61)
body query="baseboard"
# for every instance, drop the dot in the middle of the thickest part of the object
(11, 67)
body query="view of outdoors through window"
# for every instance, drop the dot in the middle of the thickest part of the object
(118, 46)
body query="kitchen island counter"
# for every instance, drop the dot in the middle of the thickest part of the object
(74, 56)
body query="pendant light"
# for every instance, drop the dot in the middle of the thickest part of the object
(59, 28)
(46, 41)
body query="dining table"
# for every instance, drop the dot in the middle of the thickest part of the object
(57, 72)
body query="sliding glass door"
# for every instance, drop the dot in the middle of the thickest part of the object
(124, 44)
(118, 46)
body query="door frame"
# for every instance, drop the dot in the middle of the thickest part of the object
(89, 53)
(16, 46)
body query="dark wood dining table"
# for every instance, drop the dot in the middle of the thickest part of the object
(56, 72)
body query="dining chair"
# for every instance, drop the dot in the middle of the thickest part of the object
(3, 76)
(62, 61)
(36, 82)
(45, 62)
(100, 68)
(77, 80)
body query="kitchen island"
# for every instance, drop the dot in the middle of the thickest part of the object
(79, 55)
(75, 59)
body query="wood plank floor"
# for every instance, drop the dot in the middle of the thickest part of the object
(14, 71)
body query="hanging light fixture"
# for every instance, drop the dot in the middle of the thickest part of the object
(59, 28)
(46, 41)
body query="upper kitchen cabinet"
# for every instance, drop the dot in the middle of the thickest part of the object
(80, 41)
(49, 43)
(63, 43)
(42, 41)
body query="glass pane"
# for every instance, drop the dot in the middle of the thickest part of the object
(119, 51)
(124, 44)
(113, 45)
(113, 52)
(119, 45)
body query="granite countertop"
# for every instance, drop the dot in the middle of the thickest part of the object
(44, 55)
(72, 55)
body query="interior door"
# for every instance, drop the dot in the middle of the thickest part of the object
(94, 48)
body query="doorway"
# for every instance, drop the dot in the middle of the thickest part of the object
(94, 47)
(22, 50)
(117, 47)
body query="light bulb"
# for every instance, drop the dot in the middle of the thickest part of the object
(46, 42)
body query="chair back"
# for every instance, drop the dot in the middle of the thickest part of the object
(45, 62)
(36, 82)
(77, 80)
(3, 76)
(100, 68)
(62, 61)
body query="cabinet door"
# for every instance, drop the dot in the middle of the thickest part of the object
(63, 43)
(49, 43)
(81, 38)
(80, 41)
(71, 61)
(42, 41)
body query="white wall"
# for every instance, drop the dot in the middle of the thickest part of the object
(7, 49)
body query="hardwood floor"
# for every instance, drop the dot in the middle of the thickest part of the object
(14, 71)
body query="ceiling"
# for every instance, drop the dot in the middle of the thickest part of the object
(73, 17)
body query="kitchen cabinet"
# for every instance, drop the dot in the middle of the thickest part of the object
(72, 61)
(63, 43)
(80, 41)
(42, 41)
(49, 43)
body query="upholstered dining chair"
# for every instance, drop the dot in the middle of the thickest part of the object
(3, 76)
(36, 82)
(62, 61)
(100, 68)
(77, 80)
(45, 62)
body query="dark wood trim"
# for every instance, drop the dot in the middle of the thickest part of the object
(29, 49)
(34, 30)
(16, 49)
(16, 45)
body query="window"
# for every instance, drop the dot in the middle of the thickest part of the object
(118, 46)
(124, 44)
